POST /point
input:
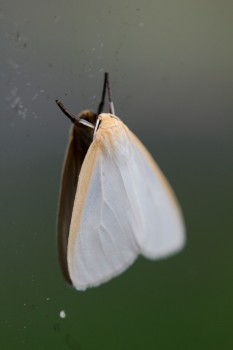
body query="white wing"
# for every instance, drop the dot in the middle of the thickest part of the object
(163, 225)
(123, 207)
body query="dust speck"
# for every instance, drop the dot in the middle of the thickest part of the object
(62, 314)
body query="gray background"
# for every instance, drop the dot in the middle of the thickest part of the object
(171, 69)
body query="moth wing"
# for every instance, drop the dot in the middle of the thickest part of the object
(102, 243)
(66, 201)
(163, 224)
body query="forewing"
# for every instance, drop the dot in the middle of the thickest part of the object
(102, 243)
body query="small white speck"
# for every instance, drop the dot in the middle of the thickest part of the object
(47, 299)
(23, 113)
(12, 94)
(62, 314)
(13, 64)
(35, 96)
(15, 102)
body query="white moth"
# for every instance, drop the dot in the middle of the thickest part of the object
(115, 203)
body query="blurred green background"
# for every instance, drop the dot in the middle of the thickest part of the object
(171, 67)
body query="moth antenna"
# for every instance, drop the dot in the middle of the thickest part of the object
(101, 104)
(72, 117)
(111, 105)
(66, 112)
(108, 87)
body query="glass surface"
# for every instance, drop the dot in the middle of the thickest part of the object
(171, 68)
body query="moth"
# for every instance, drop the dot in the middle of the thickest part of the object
(114, 203)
